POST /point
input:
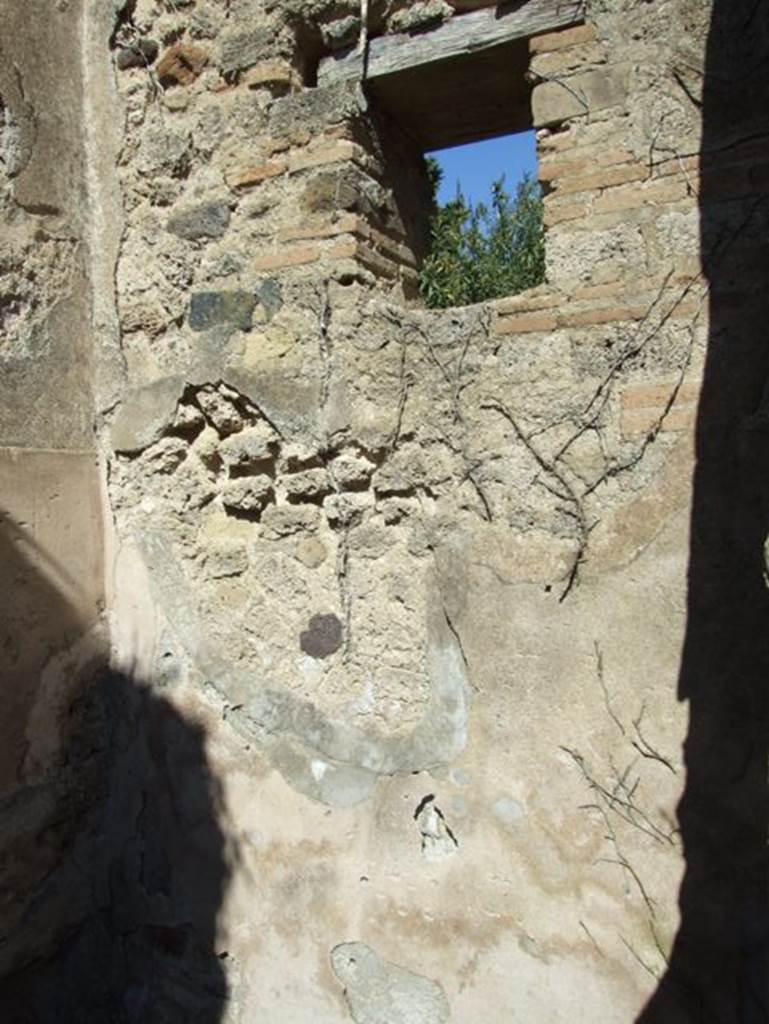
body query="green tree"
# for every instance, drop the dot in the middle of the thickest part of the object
(480, 253)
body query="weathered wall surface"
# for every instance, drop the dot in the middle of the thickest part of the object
(50, 502)
(415, 581)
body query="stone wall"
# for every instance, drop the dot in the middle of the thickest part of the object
(405, 606)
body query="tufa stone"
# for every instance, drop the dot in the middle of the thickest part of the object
(282, 521)
(276, 76)
(340, 32)
(221, 411)
(241, 50)
(308, 485)
(249, 448)
(165, 455)
(229, 559)
(589, 91)
(352, 471)
(330, 191)
(207, 220)
(343, 509)
(247, 494)
(323, 637)
(418, 15)
(310, 552)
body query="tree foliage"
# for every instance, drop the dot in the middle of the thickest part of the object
(481, 252)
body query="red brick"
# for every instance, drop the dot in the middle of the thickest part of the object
(643, 405)
(181, 64)
(578, 161)
(527, 302)
(245, 176)
(524, 323)
(656, 396)
(346, 224)
(342, 251)
(558, 213)
(628, 197)
(600, 315)
(291, 256)
(325, 154)
(641, 421)
(603, 179)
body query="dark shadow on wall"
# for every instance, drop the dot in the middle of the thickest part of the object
(718, 966)
(113, 864)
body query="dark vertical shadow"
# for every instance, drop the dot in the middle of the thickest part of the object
(113, 865)
(718, 967)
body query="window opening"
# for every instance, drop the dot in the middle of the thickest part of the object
(433, 89)
(486, 230)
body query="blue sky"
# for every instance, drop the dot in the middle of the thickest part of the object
(479, 164)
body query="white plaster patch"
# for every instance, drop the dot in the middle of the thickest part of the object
(311, 669)
(508, 811)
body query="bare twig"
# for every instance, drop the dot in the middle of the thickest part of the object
(602, 681)
(589, 934)
(625, 864)
(621, 801)
(535, 77)
(641, 961)
(567, 492)
(405, 381)
(622, 466)
(324, 343)
(644, 748)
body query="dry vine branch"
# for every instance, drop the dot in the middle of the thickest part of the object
(644, 748)
(455, 387)
(602, 681)
(621, 800)
(644, 333)
(635, 346)
(405, 382)
(617, 467)
(567, 492)
(624, 863)
(636, 956)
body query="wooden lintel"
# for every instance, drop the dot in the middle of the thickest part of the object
(459, 36)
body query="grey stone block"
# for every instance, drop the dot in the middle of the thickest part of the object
(271, 297)
(146, 414)
(210, 309)
(140, 54)
(208, 220)
(241, 50)
(379, 992)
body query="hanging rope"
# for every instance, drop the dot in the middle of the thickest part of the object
(363, 37)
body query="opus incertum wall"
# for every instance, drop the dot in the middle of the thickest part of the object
(420, 676)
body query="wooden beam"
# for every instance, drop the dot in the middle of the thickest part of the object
(459, 36)
(462, 100)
